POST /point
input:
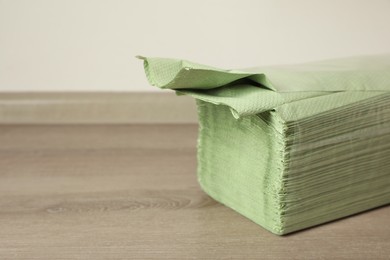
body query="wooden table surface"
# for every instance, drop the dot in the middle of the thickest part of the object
(130, 192)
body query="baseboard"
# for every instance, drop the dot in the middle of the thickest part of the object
(96, 108)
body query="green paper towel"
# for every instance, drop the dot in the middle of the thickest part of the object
(290, 146)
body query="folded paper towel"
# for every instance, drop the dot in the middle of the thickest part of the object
(290, 146)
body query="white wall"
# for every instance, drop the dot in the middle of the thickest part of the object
(90, 45)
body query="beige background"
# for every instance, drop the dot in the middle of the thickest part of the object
(86, 45)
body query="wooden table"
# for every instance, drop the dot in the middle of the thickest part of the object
(130, 192)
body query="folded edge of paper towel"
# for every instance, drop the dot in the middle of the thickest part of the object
(250, 91)
(365, 73)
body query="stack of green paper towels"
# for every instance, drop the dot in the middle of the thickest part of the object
(290, 146)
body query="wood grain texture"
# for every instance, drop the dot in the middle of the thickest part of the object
(130, 192)
(96, 108)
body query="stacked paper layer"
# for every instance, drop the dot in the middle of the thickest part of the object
(290, 147)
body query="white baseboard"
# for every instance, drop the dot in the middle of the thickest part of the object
(96, 108)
